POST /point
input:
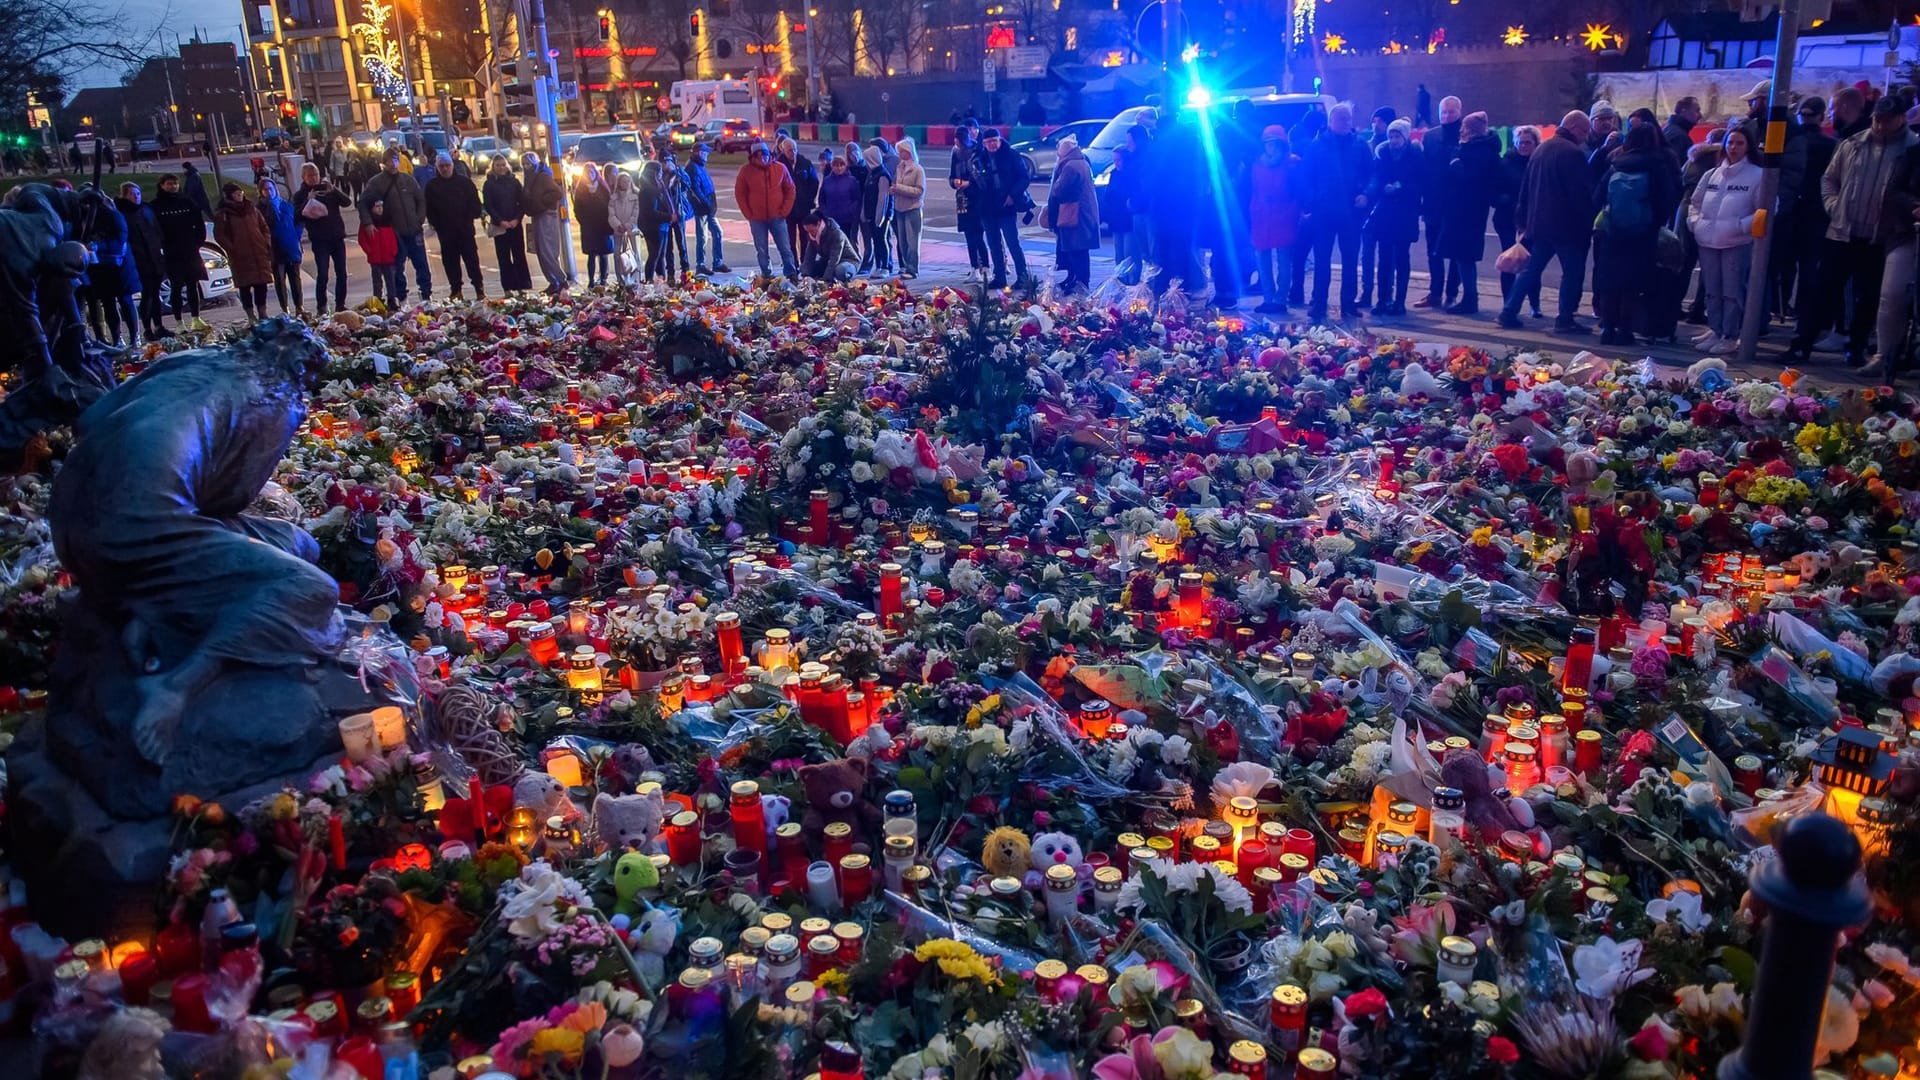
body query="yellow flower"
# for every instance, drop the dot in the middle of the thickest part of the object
(833, 981)
(564, 1042)
(957, 960)
(1483, 536)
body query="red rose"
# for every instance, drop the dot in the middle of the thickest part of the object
(1366, 1004)
(1650, 1044)
(1502, 1051)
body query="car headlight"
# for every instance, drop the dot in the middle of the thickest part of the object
(214, 261)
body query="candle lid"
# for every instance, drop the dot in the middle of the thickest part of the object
(789, 831)
(854, 862)
(782, 948)
(816, 925)
(1060, 877)
(1092, 974)
(1403, 812)
(849, 931)
(1247, 1052)
(801, 993)
(744, 789)
(1293, 860)
(824, 945)
(839, 830)
(777, 922)
(1266, 877)
(755, 938)
(899, 847)
(695, 978)
(1050, 969)
(704, 949)
(1004, 887)
(685, 819)
(1315, 1060)
(1287, 995)
(1108, 877)
(1458, 948)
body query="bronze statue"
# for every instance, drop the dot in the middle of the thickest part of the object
(150, 516)
(42, 256)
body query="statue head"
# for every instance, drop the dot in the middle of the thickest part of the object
(288, 346)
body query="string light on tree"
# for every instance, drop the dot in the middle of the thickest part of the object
(1515, 36)
(379, 53)
(1303, 21)
(1597, 36)
(1333, 43)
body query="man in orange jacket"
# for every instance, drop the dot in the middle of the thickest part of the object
(764, 190)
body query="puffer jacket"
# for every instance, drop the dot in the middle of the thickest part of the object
(240, 230)
(283, 224)
(623, 210)
(910, 185)
(1722, 209)
(763, 192)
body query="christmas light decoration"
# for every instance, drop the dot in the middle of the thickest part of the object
(1303, 22)
(379, 53)
(1597, 36)
(1515, 36)
(1333, 43)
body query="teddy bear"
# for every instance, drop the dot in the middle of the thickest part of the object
(777, 810)
(652, 939)
(546, 796)
(1054, 849)
(836, 792)
(1006, 852)
(627, 822)
(633, 874)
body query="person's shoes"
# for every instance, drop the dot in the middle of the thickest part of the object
(1463, 309)
(1427, 301)
(1366, 300)
(1607, 338)
(1797, 354)
(722, 268)
(1568, 327)
(1874, 368)
(455, 296)
(1350, 314)
(1855, 360)
(1538, 314)
(909, 275)
(1830, 342)
(1270, 308)
(1696, 318)
(701, 270)
(1726, 347)
(479, 293)
(997, 283)
(159, 333)
(1709, 343)
(1510, 322)
(1701, 336)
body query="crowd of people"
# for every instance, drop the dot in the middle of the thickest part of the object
(1640, 202)
(1627, 207)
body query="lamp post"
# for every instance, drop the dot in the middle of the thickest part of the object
(813, 84)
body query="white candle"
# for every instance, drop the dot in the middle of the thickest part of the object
(356, 734)
(389, 727)
(821, 888)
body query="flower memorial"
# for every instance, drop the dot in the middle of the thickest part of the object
(842, 681)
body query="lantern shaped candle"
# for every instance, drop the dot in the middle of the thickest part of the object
(520, 828)
(577, 621)
(1243, 813)
(673, 694)
(1063, 893)
(1579, 669)
(564, 766)
(726, 628)
(543, 645)
(817, 523)
(776, 649)
(1190, 607)
(583, 669)
(1096, 718)
(357, 735)
(749, 820)
(891, 607)
(1523, 766)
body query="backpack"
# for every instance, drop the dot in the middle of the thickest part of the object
(1629, 201)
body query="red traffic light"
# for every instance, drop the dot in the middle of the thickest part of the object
(606, 28)
(693, 23)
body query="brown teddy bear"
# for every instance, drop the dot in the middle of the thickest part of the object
(836, 791)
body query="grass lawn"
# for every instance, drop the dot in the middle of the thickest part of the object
(149, 181)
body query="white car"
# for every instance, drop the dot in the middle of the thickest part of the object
(219, 283)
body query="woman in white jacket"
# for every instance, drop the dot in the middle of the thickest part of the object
(909, 188)
(623, 215)
(1721, 215)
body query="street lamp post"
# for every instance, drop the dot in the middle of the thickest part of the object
(813, 84)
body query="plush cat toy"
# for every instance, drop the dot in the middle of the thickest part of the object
(1054, 849)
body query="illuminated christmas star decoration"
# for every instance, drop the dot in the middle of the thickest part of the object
(380, 54)
(1597, 36)
(1303, 22)
(1333, 43)
(1190, 53)
(1515, 35)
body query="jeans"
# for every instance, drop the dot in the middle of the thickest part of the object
(1725, 272)
(1128, 259)
(874, 249)
(1003, 236)
(1896, 305)
(597, 269)
(510, 251)
(658, 256)
(906, 228)
(383, 275)
(1372, 282)
(1573, 276)
(703, 225)
(677, 237)
(1396, 270)
(546, 248)
(1276, 274)
(1343, 229)
(775, 230)
(325, 252)
(413, 249)
(840, 273)
(456, 250)
(150, 310)
(286, 278)
(1843, 262)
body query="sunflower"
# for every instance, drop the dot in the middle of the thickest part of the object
(567, 1043)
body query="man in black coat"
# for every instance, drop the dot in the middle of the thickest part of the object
(1437, 148)
(1556, 221)
(1337, 167)
(452, 206)
(1803, 214)
(1678, 134)
(326, 233)
(182, 230)
(149, 259)
(1000, 189)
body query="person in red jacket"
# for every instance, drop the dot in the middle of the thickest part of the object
(764, 190)
(1274, 218)
(382, 248)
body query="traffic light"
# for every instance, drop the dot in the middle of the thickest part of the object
(693, 23)
(309, 115)
(606, 28)
(289, 115)
(518, 95)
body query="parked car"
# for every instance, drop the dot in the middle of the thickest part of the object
(729, 136)
(478, 150)
(219, 283)
(684, 135)
(1040, 152)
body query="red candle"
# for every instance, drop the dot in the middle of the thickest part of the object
(1579, 669)
(817, 517)
(1253, 856)
(733, 656)
(749, 820)
(1386, 467)
(359, 1052)
(856, 879)
(891, 583)
(190, 1004)
(336, 842)
(476, 800)
(138, 974)
(683, 838)
(179, 949)
(833, 708)
(1192, 601)
(1299, 842)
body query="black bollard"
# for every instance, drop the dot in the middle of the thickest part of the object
(1812, 890)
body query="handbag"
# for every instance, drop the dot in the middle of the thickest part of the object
(1513, 260)
(1066, 215)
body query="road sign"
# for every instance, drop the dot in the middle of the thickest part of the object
(886, 96)
(989, 74)
(569, 91)
(1028, 62)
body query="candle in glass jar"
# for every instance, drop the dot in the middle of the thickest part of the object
(1579, 667)
(1586, 751)
(1253, 856)
(1063, 893)
(389, 727)
(337, 841)
(1190, 603)
(1096, 719)
(776, 649)
(817, 523)
(357, 736)
(727, 632)
(891, 585)
(683, 838)
(749, 819)
(837, 841)
(856, 878)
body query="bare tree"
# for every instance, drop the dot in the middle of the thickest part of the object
(1037, 22)
(896, 30)
(43, 42)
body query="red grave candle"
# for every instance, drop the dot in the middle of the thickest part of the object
(733, 654)
(749, 820)
(138, 974)
(336, 842)
(190, 1004)
(891, 585)
(1579, 669)
(817, 524)
(683, 838)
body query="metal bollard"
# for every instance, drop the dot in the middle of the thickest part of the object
(1813, 890)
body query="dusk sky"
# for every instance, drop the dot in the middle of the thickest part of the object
(219, 20)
